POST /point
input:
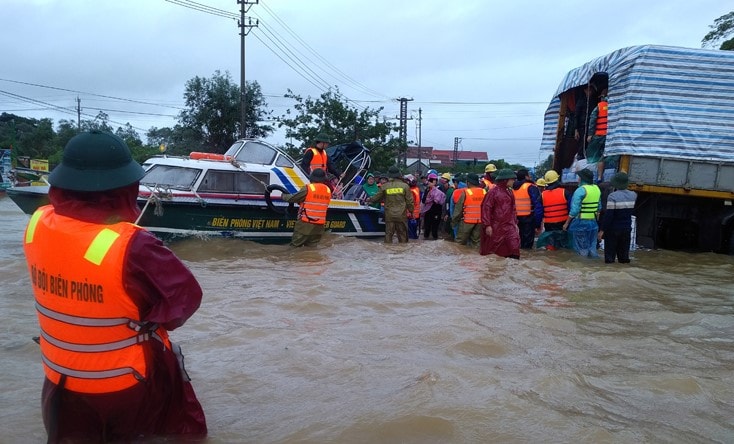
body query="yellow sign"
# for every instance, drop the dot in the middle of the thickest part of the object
(39, 165)
(257, 224)
(266, 224)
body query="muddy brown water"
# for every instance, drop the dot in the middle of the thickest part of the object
(358, 342)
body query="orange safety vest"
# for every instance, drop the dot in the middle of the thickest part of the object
(91, 331)
(319, 159)
(313, 209)
(416, 202)
(473, 205)
(523, 206)
(601, 119)
(555, 206)
(456, 195)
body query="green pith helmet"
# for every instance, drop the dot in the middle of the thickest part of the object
(393, 172)
(317, 175)
(322, 137)
(585, 175)
(504, 174)
(472, 179)
(620, 181)
(95, 161)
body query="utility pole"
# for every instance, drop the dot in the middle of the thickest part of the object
(78, 113)
(403, 132)
(456, 150)
(420, 148)
(245, 27)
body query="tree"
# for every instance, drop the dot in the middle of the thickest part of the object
(100, 123)
(129, 135)
(332, 114)
(545, 166)
(722, 28)
(211, 120)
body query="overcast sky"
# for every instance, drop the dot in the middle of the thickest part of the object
(480, 70)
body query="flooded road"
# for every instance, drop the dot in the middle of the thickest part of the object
(358, 342)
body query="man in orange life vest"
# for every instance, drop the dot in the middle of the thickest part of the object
(556, 204)
(597, 137)
(314, 201)
(467, 214)
(529, 208)
(316, 157)
(104, 307)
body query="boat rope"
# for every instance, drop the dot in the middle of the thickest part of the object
(155, 197)
(239, 167)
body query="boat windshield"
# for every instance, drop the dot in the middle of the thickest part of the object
(251, 151)
(170, 177)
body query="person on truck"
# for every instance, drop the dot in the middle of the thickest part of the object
(597, 135)
(582, 217)
(580, 116)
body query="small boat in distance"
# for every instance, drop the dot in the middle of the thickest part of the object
(237, 194)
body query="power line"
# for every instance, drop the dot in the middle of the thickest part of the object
(90, 94)
(62, 109)
(205, 8)
(343, 75)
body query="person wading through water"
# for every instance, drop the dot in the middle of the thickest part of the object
(111, 371)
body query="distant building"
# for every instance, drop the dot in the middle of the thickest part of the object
(441, 159)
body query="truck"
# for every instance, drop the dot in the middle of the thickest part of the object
(670, 128)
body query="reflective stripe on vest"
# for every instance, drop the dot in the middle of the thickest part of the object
(416, 202)
(314, 207)
(555, 206)
(319, 159)
(522, 200)
(590, 204)
(601, 119)
(473, 205)
(91, 330)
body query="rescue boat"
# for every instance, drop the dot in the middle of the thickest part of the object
(238, 194)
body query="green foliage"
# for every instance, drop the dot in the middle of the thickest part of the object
(722, 28)
(332, 114)
(211, 120)
(27, 137)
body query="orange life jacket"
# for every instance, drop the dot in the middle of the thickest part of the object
(91, 330)
(473, 205)
(555, 206)
(416, 202)
(601, 119)
(319, 159)
(313, 209)
(523, 205)
(456, 195)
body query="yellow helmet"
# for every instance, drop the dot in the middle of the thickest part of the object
(446, 176)
(540, 182)
(550, 177)
(490, 168)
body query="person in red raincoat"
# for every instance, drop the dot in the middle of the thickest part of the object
(500, 234)
(96, 185)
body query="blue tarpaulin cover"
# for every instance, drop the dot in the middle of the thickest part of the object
(663, 102)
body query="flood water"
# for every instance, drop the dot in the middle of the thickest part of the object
(358, 342)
